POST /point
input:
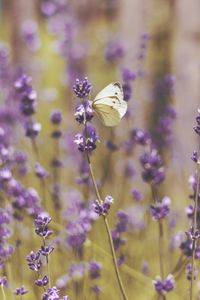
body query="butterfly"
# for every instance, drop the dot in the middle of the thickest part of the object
(109, 104)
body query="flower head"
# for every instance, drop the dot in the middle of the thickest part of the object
(20, 291)
(164, 286)
(161, 209)
(82, 88)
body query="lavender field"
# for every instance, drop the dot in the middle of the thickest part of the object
(99, 150)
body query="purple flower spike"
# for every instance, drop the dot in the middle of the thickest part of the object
(114, 51)
(34, 261)
(137, 195)
(56, 117)
(52, 294)
(46, 251)
(27, 96)
(42, 282)
(41, 226)
(161, 209)
(32, 129)
(20, 291)
(197, 128)
(22, 82)
(94, 269)
(127, 90)
(153, 170)
(82, 88)
(188, 271)
(164, 286)
(102, 208)
(128, 75)
(83, 113)
(40, 172)
(89, 143)
(140, 137)
(195, 156)
(3, 281)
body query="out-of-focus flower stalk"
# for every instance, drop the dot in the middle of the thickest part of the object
(160, 240)
(3, 293)
(194, 228)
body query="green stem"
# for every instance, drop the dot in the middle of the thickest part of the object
(35, 149)
(114, 258)
(160, 240)
(161, 243)
(47, 262)
(194, 228)
(3, 293)
(108, 233)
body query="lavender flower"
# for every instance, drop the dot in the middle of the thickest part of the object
(41, 226)
(87, 143)
(83, 113)
(6, 250)
(128, 75)
(20, 291)
(53, 294)
(30, 35)
(114, 51)
(140, 137)
(56, 117)
(42, 281)
(153, 171)
(3, 281)
(32, 129)
(102, 208)
(94, 269)
(164, 286)
(82, 88)
(40, 172)
(76, 235)
(195, 156)
(161, 209)
(188, 271)
(163, 129)
(34, 261)
(127, 91)
(196, 128)
(27, 96)
(136, 194)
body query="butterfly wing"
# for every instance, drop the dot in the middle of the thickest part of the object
(109, 104)
(113, 89)
(107, 115)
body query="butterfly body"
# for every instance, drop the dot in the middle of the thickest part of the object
(109, 104)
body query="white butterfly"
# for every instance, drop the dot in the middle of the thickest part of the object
(109, 104)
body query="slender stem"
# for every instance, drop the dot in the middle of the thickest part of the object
(160, 240)
(108, 233)
(161, 243)
(47, 262)
(194, 228)
(114, 258)
(3, 293)
(43, 189)
(35, 149)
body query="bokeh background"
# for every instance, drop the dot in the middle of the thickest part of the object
(57, 41)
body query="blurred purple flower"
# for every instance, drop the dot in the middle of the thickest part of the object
(20, 291)
(161, 209)
(114, 51)
(164, 286)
